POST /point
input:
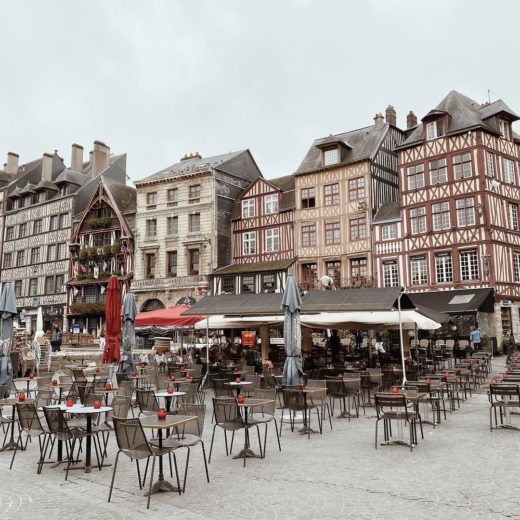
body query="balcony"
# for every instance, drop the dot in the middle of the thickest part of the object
(357, 282)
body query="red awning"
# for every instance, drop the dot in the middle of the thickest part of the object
(170, 317)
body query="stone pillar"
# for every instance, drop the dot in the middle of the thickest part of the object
(306, 341)
(264, 342)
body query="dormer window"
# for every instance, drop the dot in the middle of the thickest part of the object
(330, 156)
(505, 129)
(248, 208)
(434, 129)
(63, 190)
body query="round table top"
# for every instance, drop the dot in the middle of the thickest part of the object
(79, 409)
(242, 383)
(19, 379)
(167, 394)
(11, 401)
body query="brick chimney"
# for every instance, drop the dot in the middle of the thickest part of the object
(379, 121)
(12, 162)
(187, 157)
(411, 120)
(391, 115)
(100, 157)
(76, 160)
(47, 167)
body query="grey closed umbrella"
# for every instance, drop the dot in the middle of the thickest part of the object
(128, 314)
(7, 311)
(291, 303)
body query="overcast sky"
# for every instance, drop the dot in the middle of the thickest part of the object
(160, 78)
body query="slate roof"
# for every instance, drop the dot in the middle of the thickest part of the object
(456, 301)
(124, 196)
(388, 212)
(72, 177)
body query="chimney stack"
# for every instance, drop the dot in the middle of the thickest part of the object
(47, 167)
(391, 115)
(379, 121)
(411, 120)
(187, 157)
(76, 160)
(100, 157)
(12, 163)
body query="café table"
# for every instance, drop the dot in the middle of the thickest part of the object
(171, 421)
(306, 429)
(106, 393)
(26, 380)
(11, 445)
(168, 397)
(178, 381)
(238, 386)
(61, 386)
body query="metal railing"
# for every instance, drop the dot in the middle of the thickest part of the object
(357, 282)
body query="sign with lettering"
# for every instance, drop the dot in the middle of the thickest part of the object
(249, 338)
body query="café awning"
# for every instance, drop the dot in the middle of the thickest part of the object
(237, 305)
(169, 317)
(458, 301)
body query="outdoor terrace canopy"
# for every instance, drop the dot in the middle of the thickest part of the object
(169, 317)
(458, 301)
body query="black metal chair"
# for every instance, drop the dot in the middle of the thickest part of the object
(503, 397)
(266, 413)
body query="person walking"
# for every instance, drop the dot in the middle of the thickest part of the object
(474, 337)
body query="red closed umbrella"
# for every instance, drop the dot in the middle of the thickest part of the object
(112, 351)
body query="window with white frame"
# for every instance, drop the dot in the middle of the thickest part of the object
(247, 284)
(151, 200)
(438, 171)
(272, 240)
(271, 203)
(8, 258)
(64, 220)
(465, 212)
(443, 268)
(356, 188)
(330, 156)
(509, 171)
(20, 258)
(490, 164)
(434, 129)
(172, 263)
(61, 250)
(358, 228)
(308, 235)
(268, 283)
(308, 196)
(419, 270)
(194, 194)
(332, 233)
(248, 208)
(441, 216)
(418, 220)
(389, 231)
(151, 228)
(516, 266)
(51, 252)
(331, 194)
(469, 265)
(22, 230)
(462, 166)
(504, 129)
(390, 276)
(194, 223)
(172, 226)
(249, 243)
(513, 216)
(173, 197)
(415, 176)
(37, 226)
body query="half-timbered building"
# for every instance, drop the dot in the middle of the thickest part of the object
(263, 239)
(184, 225)
(340, 183)
(102, 245)
(458, 226)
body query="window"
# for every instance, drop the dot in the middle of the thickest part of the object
(151, 200)
(58, 286)
(462, 166)
(441, 216)
(333, 269)
(22, 230)
(62, 250)
(248, 284)
(173, 226)
(173, 196)
(469, 265)
(20, 258)
(90, 294)
(42, 196)
(64, 220)
(51, 252)
(509, 171)
(53, 223)
(49, 285)
(194, 224)
(35, 255)
(308, 197)
(415, 176)
(272, 240)
(194, 262)
(228, 284)
(465, 212)
(389, 231)
(16, 203)
(172, 263)
(271, 203)
(8, 260)
(37, 227)
(330, 157)
(418, 220)
(390, 277)
(438, 171)
(434, 129)
(18, 288)
(356, 188)
(151, 228)
(309, 235)
(358, 268)
(419, 270)
(9, 233)
(268, 283)
(503, 127)
(309, 275)
(516, 266)
(249, 243)
(490, 164)
(331, 194)
(248, 208)
(513, 216)
(443, 268)
(101, 239)
(33, 287)
(63, 190)
(150, 265)
(358, 228)
(332, 233)
(194, 194)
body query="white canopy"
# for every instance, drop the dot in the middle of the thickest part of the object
(237, 322)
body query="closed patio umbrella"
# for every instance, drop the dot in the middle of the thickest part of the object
(128, 314)
(291, 303)
(112, 353)
(7, 311)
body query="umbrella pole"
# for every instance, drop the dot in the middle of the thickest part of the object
(401, 334)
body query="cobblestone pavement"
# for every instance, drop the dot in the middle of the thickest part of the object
(460, 470)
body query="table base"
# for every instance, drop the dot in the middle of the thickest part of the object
(306, 430)
(12, 445)
(398, 442)
(247, 453)
(507, 427)
(161, 485)
(346, 415)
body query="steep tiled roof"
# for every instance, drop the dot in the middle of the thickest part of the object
(387, 212)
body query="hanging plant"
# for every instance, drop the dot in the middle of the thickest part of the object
(107, 250)
(83, 254)
(92, 252)
(116, 248)
(100, 223)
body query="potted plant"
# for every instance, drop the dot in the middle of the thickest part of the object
(83, 253)
(116, 248)
(92, 252)
(107, 250)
